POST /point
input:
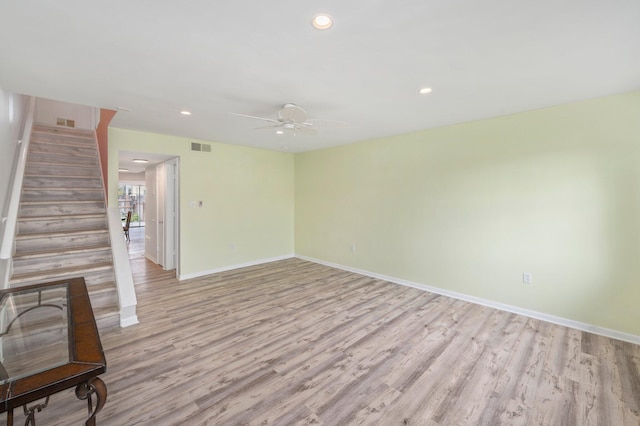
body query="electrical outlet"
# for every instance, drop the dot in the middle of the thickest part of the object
(527, 278)
(353, 247)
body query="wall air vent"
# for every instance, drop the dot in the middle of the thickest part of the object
(65, 122)
(203, 147)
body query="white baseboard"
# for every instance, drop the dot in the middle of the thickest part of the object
(128, 315)
(126, 322)
(614, 334)
(231, 267)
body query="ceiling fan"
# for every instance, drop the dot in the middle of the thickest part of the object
(293, 119)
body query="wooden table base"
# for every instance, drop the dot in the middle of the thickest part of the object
(85, 390)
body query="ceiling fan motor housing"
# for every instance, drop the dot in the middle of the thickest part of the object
(292, 113)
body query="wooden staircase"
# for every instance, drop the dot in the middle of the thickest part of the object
(62, 223)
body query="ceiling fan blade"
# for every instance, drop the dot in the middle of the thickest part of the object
(305, 131)
(325, 124)
(271, 120)
(267, 127)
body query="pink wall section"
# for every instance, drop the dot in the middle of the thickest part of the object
(102, 133)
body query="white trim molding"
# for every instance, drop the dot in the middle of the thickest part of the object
(127, 300)
(231, 267)
(606, 332)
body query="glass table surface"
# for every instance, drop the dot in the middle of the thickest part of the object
(34, 331)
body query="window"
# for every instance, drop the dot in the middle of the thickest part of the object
(131, 197)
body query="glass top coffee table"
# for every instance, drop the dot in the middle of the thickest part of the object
(49, 342)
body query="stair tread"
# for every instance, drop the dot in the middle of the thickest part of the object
(43, 163)
(70, 154)
(106, 318)
(36, 134)
(61, 217)
(59, 233)
(101, 312)
(60, 158)
(44, 203)
(57, 129)
(58, 188)
(57, 251)
(41, 175)
(109, 285)
(42, 137)
(51, 274)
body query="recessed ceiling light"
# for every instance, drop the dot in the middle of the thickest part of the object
(426, 90)
(185, 112)
(279, 132)
(140, 160)
(322, 21)
(121, 169)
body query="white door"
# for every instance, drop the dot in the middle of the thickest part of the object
(170, 214)
(161, 184)
(151, 212)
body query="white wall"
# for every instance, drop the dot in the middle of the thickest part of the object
(48, 111)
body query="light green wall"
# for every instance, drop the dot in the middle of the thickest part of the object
(247, 193)
(469, 208)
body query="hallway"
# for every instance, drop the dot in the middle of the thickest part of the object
(144, 271)
(135, 246)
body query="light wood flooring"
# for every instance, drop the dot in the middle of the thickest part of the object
(294, 343)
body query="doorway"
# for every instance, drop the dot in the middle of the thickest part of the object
(151, 193)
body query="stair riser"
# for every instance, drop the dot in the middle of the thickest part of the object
(52, 148)
(40, 157)
(61, 225)
(83, 141)
(57, 261)
(28, 245)
(64, 170)
(56, 209)
(91, 278)
(103, 299)
(61, 182)
(62, 195)
(55, 130)
(108, 321)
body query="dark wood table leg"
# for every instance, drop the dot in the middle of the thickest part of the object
(86, 390)
(10, 418)
(30, 412)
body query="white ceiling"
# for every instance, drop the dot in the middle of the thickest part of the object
(126, 160)
(482, 59)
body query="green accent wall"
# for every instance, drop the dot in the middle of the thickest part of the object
(468, 208)
(247, 193)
